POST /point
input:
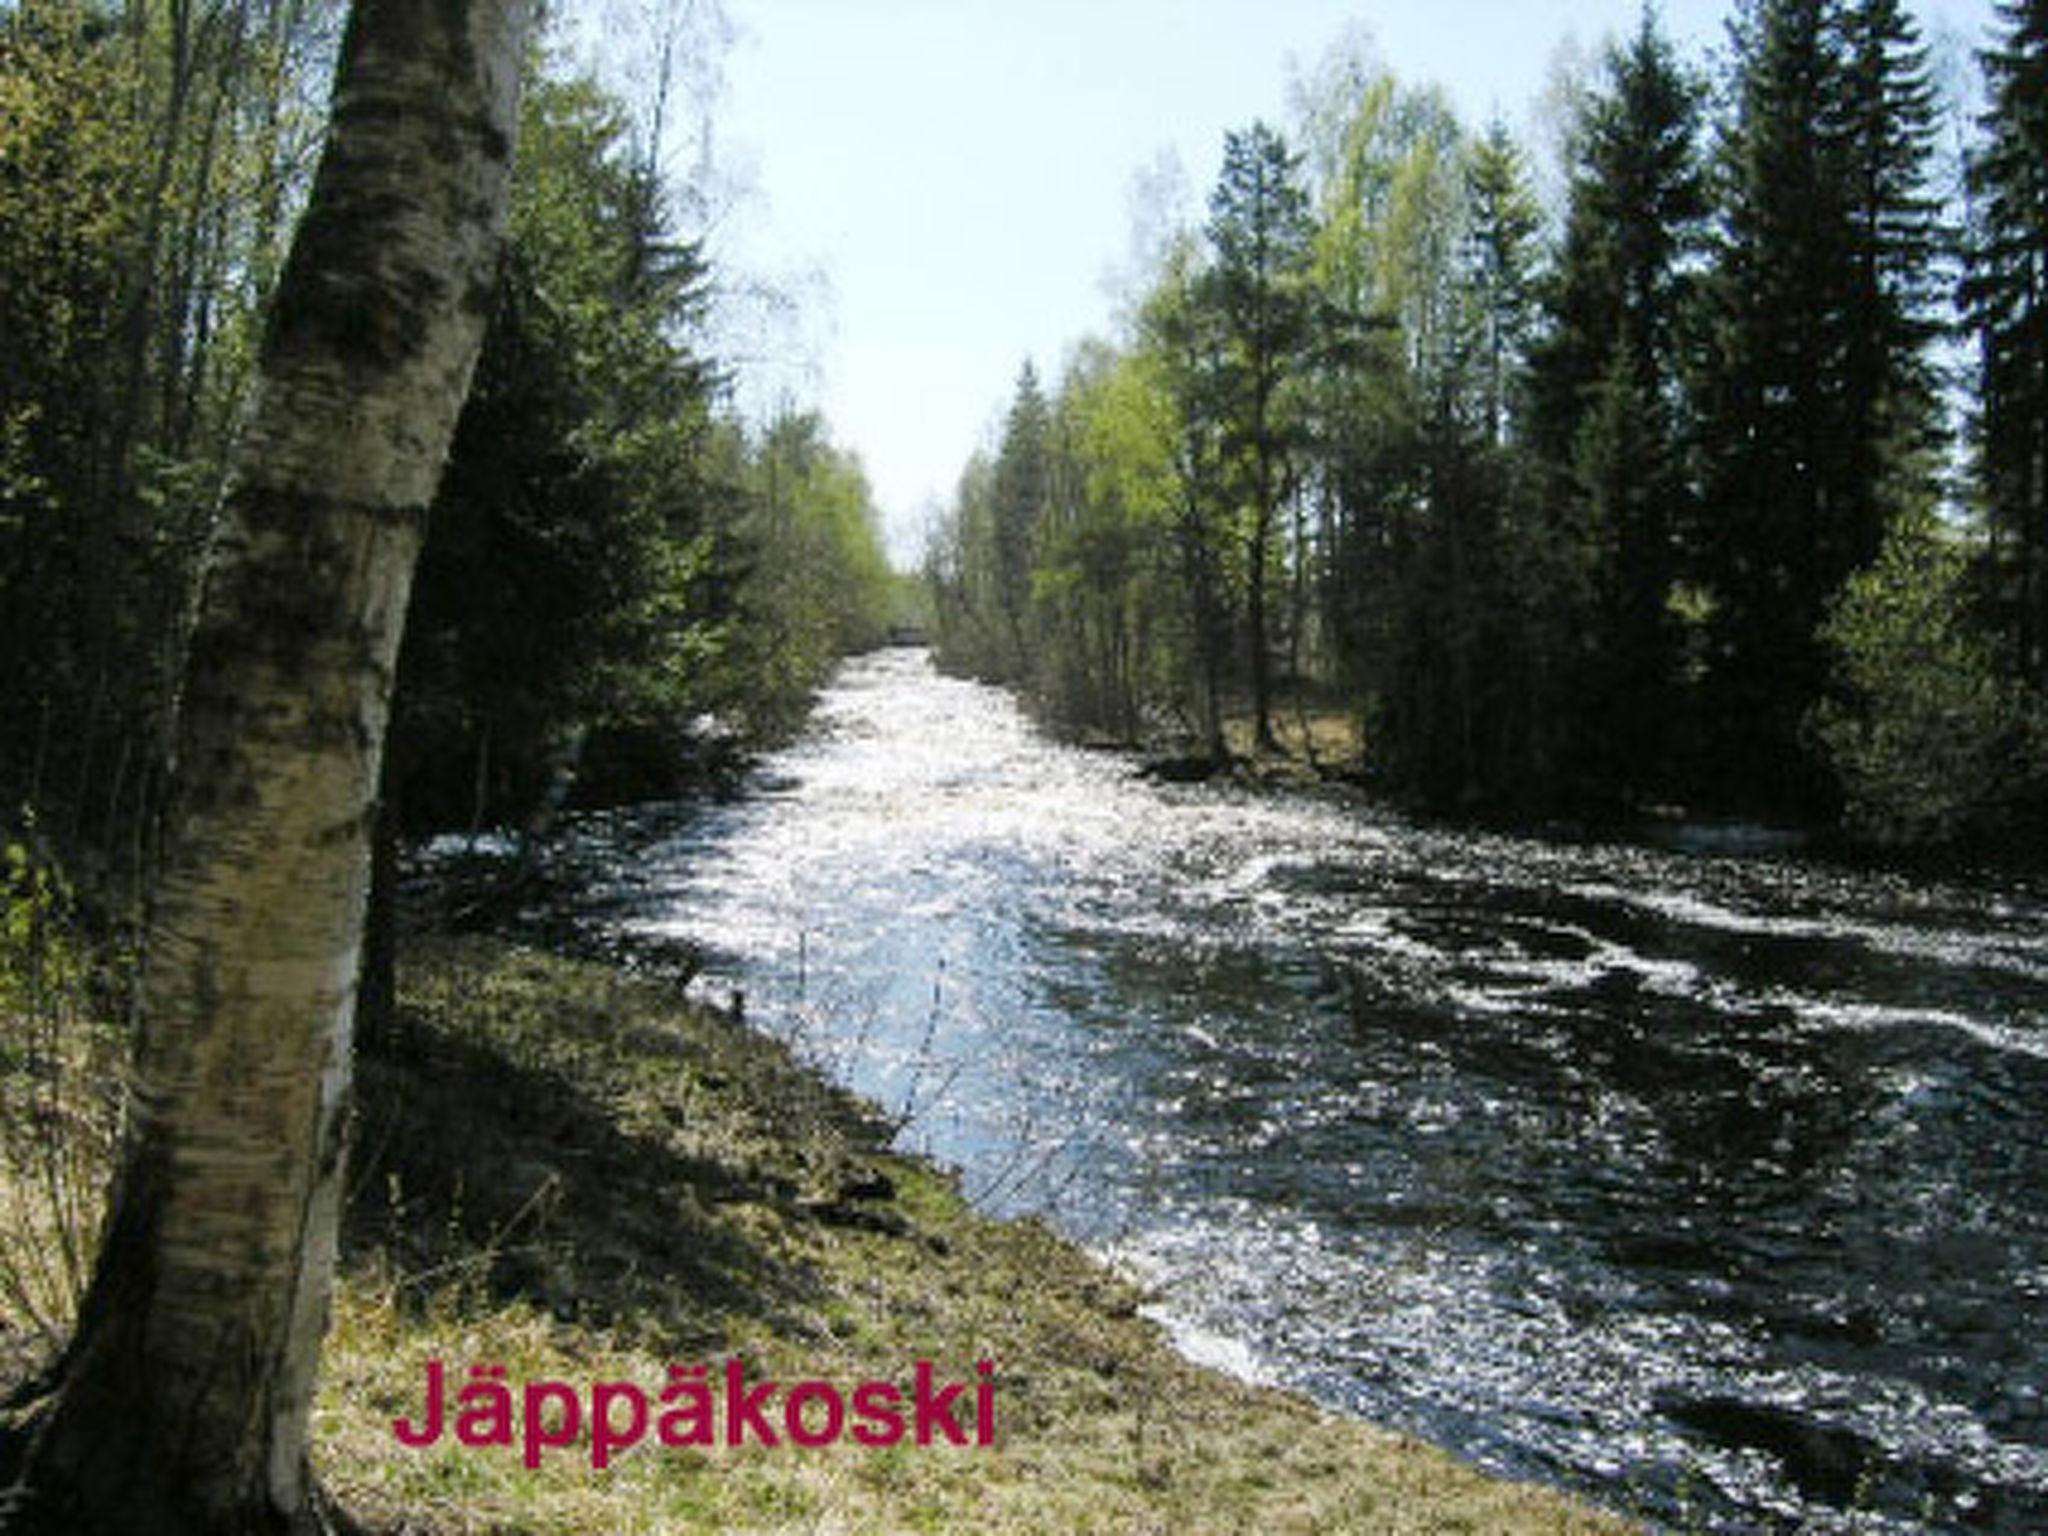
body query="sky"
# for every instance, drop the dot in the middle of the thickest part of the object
(933, 191)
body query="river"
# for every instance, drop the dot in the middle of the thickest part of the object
(1714, 1187)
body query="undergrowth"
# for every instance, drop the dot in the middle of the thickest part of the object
(60, 1062)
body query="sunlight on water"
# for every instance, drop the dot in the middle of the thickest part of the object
(1714, 1186)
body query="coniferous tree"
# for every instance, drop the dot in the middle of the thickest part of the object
(971, 637)
(1469, 608)
(1817, 417)
(2005, 296)
(1501, 261)
(572, 516)
(1259, 229)
(1609, 413)
(1376, 147)
(1184, 334)
(1017, 507)
(1768, 438)
(1883, 129)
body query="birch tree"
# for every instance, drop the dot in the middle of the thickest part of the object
(183, 1401)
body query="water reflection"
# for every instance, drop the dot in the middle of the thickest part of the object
(1704, 1182)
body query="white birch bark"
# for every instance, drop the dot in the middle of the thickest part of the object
(184, 1401)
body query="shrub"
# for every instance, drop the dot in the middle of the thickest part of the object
(1925, 732)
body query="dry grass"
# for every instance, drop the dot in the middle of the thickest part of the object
(1314, 745)
(562, 1170)
(59, 1064)
(623, 1183)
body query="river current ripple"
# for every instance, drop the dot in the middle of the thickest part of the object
(1714, 1187)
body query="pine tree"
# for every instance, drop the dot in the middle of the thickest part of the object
(2005, 295)
(1183, 337)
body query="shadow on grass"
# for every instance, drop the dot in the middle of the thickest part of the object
(600, 1168)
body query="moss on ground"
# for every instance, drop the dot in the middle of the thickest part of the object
(568, 1171)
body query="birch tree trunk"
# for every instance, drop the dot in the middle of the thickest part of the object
(182, 1404)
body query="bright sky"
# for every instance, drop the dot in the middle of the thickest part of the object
(946, 186)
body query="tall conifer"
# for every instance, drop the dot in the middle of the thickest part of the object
(1609, 414)
(1260, 230)
(1817, 412)
(2005, 294)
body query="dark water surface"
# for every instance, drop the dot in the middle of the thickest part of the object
(1715, 1187)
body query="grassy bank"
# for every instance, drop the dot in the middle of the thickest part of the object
(563, 1170)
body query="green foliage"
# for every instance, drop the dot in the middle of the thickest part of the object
(1435, 579)
(1558, 514)
(1560, 519)
(1101, 584)
(1142, 514)
(595, 553)
(1018, 495)
(151, 158)
(1182, 338)
(610, 568)
(1299, 470)
(570, 523)
(959, 568)
(818, 585)
(73, 170)
(38, 959)
(1608, 418)
(1260, 238)
(1503, 224)
(2005, 300)
(1818, 417)
(1929, 735)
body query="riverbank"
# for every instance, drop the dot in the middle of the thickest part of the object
(564, 1170)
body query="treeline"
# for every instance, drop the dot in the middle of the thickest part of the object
(1724, 483)
(619, 574)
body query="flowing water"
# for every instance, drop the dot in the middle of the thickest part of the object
(1716, 1187)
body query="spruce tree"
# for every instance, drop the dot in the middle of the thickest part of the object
(2005, 295)
(1818, 414)
(1609, 412)
(1259, 230)
(1883, 127)
(1500, 262)
(1019, 497)
(1768, 436)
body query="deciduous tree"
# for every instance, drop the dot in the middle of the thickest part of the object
(182, 1403)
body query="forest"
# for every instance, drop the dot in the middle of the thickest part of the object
(371, 468)
(1713, 479)
(1717, 480)
(624, 582)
